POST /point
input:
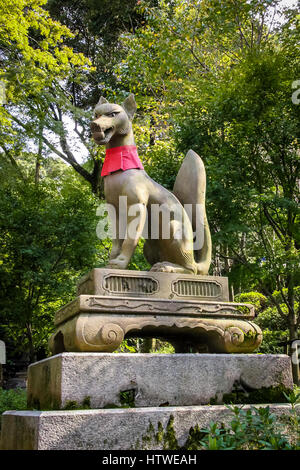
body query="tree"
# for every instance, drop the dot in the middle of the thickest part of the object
(36, 64)
(48, 241)
(63, 84)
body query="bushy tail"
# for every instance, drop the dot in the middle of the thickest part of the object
(189, 188)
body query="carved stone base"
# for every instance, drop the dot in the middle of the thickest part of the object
(191, 312)
(100, 324)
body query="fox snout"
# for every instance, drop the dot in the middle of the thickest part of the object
(95, 127)
(102, 130)
(97, 132)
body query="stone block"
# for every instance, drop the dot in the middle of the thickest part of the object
(151, 379)
(151, 284)
(115, 429)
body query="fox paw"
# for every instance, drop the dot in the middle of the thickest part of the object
(165, 267)
(119, 262)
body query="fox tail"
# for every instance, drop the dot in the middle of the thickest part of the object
(190, 188)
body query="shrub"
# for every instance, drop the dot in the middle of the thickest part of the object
(251, 429)
(12, 400)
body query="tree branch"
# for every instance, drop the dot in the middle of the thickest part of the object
(68, 157)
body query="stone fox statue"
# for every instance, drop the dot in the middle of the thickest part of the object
(124, 176)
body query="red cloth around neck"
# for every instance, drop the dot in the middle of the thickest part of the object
(121, 158)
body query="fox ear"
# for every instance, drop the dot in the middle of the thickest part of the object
(102, 100)
(130, 106)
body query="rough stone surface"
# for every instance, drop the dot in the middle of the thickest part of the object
(150, 379)
(111, 429)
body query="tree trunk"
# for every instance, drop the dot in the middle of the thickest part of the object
(97, 182)
(294, 351)
(32, 353)
(147, 345)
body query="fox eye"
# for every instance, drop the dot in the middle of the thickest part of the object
(111, 114)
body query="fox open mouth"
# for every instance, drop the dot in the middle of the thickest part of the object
(102, 137)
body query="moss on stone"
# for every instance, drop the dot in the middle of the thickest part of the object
(169, 438)
(137, 445)
(148, 437)
(34, 404)
(260, 396)
(250, 335)
(86, 403)
(160, 433)
(150, 428)
(71, 405)
(165, 437)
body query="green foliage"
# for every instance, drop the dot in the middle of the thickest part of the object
(33, 50)
(128, 346)
(273, 324)
(138, 261)
(294, 397)
(251, 429)
(12, 400)
(271, 339)
(238, 395)
(163, 347)
(136, 345)
(255, 298)
(127, 398)
(48, 242)
(255, 428)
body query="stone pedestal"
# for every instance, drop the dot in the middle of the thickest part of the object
(191, 312)
(141, 380)
(137, 400)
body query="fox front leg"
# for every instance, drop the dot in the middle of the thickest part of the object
(135, 224)
(117, 240)
(115, 249)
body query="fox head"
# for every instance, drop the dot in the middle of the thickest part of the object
(112, 120)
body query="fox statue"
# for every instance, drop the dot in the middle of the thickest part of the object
(187, 246)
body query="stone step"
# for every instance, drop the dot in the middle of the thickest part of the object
(117, 429)
(106, 379)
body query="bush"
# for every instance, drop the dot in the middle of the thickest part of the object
(274, 326)
(255, 298)
(12, 400)
(252, 429)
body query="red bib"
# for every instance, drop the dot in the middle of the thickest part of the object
(121, 158)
